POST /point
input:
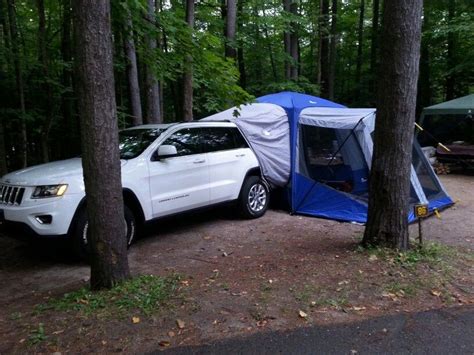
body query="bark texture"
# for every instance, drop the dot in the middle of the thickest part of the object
(324, 48)
(450, 56)
(240, 50)
(230, 30)
(333, 50)
(389, 186)
(188, 69)
(132, 73)
(99, 137)
(360, 38)
(17, 62)
(48, 91)
(152, 87)
(374, 44)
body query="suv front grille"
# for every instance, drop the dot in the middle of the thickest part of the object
(11, 195)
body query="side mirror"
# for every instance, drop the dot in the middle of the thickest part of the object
(165, 151)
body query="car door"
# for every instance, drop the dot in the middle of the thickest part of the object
(181, 182)
(227, 156)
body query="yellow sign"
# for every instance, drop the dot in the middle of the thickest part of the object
(421, 210)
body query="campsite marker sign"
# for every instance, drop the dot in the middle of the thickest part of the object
(421, 211)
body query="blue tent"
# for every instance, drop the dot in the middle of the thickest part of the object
(322, 189)
(321, 153)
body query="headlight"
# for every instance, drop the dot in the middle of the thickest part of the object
(49, 191)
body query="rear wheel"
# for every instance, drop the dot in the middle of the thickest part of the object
(254, 198)
(80, 233)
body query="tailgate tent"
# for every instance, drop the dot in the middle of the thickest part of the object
(329, 148)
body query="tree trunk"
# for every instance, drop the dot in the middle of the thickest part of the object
(389, 189)
(360, 38)
(424, 83)
(231, 21)
(324, 48)
(333, 51)
(240, 49)
(99, 136)
(70, 142)
(3, 152)
(450, 61)
(374, 45)
(269, 47)
(294, 53)
(188, 68)
(153, 114)
(48, 91)
(17, 62)
(287, 42)
(132, 72)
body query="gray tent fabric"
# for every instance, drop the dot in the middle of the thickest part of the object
(267, 130)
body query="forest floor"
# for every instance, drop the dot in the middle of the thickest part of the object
(233, 277)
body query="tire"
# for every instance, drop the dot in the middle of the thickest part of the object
(80, 243)
(254, 198)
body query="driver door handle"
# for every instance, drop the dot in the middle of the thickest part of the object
(199, 161)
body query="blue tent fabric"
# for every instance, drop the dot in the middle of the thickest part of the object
(294, 103)
(309, 197)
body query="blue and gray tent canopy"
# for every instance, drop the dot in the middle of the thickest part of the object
(321, 152)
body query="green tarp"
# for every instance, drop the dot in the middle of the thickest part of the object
(460, 106)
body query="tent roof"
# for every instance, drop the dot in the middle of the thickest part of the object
(341, 118)
(295, 102)
(459, 106)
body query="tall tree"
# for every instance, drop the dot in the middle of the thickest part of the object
(43, 58)
(188, 68)
(450, 55)
(389, 186)
(69, 123)
(324, 48)
(17, 62)
(360, 45)
(3, 152)
(374, 41)
(286, 42)
(240, 49)
(294, 40)
(230, 25)
(333, 50)
(99, 137)
(152, 87)
(132, 71)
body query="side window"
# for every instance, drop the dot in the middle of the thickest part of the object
(187, 141)
(240, 141)
(217, 138)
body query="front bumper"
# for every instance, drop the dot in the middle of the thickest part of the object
(24, 218)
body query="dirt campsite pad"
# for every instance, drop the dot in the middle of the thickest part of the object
(216, 276)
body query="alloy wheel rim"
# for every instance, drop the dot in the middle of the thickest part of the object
(257, 198)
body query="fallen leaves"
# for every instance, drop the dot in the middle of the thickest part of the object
(373, 258)
(302, 314)
(358, 308)
(135, 320)
(180, 323)
(436, 293)
(164, 343)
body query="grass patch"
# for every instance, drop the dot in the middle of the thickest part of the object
(37, 335)
(146, 293)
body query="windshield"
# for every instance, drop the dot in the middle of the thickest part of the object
(132, 142)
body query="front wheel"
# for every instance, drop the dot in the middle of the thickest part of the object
(254, 198)
(80, 234)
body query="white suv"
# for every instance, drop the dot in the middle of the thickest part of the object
(166, 169)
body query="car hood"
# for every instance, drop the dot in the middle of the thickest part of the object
(50, 173)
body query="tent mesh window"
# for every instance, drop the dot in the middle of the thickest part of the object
(428, 180)
(334, 157)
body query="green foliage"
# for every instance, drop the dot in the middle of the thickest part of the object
(217, 81)
(37, 335)
(145, 293)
